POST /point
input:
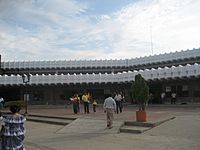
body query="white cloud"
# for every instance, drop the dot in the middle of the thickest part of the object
(53, 30)
(174, 27)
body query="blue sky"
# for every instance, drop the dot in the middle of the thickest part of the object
(96, 29)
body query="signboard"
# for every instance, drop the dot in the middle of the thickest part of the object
(168, 88)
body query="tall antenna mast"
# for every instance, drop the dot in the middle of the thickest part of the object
(151, 39)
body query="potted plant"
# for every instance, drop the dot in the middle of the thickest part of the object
(140, 92)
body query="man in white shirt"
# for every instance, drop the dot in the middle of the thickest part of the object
(109, 107)
(118, 100)
(162, 95)
(173, 99)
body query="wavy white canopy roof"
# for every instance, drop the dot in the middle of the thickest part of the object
(152, 74)
(103, 63)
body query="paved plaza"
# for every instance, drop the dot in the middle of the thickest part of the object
(89, 131)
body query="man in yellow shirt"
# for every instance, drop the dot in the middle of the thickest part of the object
(85, 99)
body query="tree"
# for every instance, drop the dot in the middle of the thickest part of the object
(140, 92)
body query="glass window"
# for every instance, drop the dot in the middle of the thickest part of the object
(185, 88)
(182, 90)
(196, 93)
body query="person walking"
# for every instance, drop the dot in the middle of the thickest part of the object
(85, 99)
(118, 99)
(109, 107)
(173, 98)
(1, 104)
(13, 130)
(162, 95)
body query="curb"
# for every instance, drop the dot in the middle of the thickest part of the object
(162, 121)
(50, 119)
(140, 127)
(54, 117)
(132, 130)
(47, 121)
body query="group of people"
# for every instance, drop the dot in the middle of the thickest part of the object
(111, 104)
(173, 97)
(12, 132)
(12, 126)
(86, 99)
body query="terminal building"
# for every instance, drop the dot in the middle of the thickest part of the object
(54, 82)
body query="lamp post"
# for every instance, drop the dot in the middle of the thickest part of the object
(26, 80)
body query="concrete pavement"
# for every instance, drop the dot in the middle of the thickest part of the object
(88, 125)
(177, 134)
(180, 133)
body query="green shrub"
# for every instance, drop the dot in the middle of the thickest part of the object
(140, 91)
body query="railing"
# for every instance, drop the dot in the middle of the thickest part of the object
(152, 74)
(102, 63)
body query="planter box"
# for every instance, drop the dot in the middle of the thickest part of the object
(141, 116)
